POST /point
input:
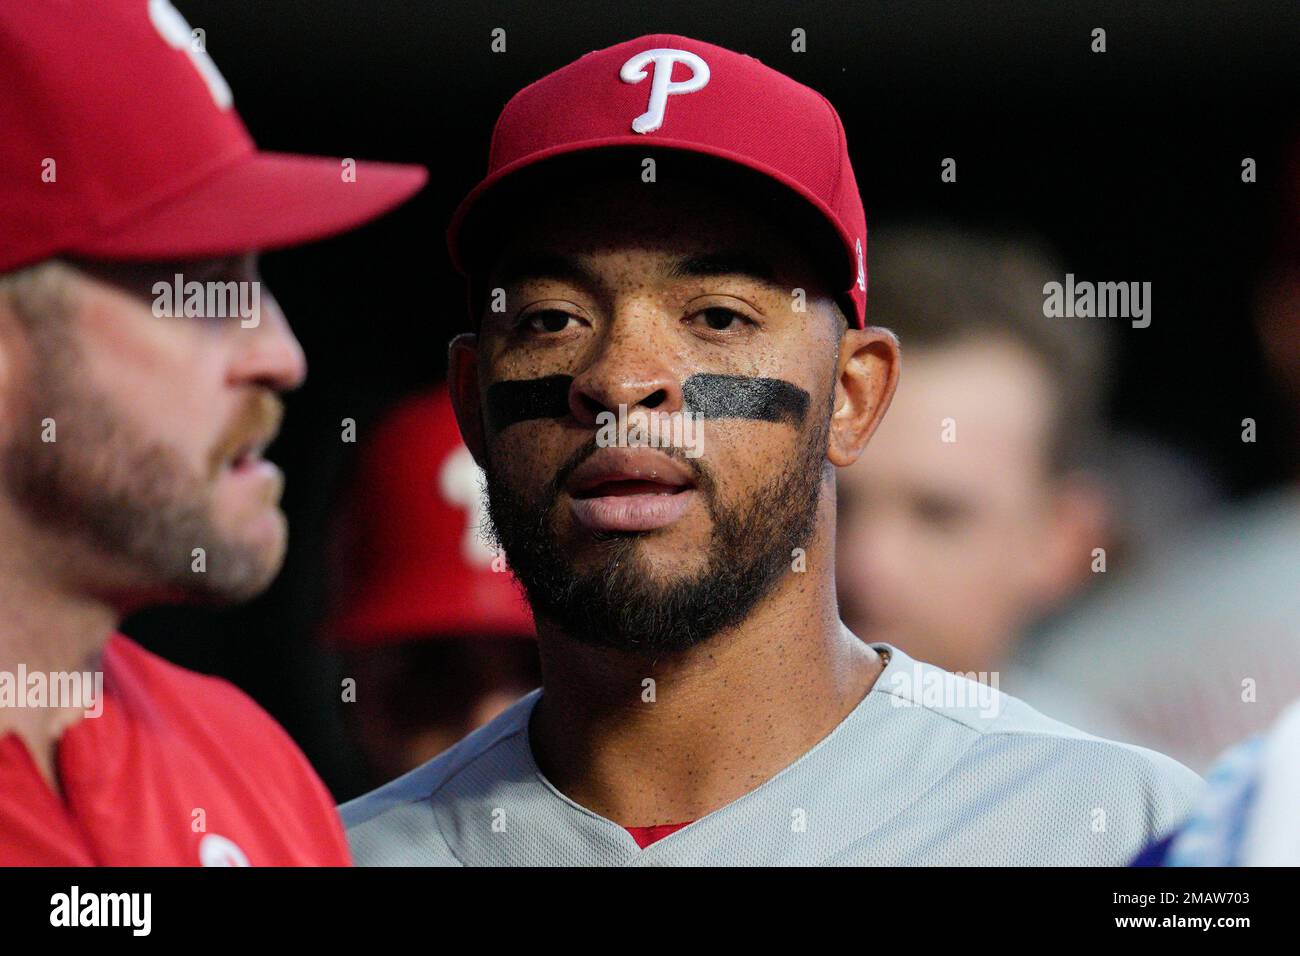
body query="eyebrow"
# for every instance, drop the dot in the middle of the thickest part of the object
(533, 266)
(729, 262)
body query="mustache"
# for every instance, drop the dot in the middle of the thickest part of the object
(257, 420)
(704, 394)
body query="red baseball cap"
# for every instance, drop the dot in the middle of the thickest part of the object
(119, 140)
(413, 563)
(671, 92)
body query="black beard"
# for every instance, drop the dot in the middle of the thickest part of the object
(619, 604)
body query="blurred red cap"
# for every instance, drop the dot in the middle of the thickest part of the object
(119, 141)
(415, 565)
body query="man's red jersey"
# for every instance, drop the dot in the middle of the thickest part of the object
(179, 769)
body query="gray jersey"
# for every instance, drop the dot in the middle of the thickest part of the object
(929, 769)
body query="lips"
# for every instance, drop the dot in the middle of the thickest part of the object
(244, 441)
(630, 490)
(242, 453)
(249, 453)
(240, 456)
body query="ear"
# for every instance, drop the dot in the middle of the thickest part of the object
(13, 344)
(867, 376)
(462, 381)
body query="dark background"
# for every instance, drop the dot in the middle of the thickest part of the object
(1129, 162)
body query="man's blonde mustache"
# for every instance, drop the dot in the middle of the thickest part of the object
(258, 420)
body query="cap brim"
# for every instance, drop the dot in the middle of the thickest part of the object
(462, 219)
(463, 231)
(261, 201)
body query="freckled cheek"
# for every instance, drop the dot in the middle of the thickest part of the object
(743, 457)
(507, 366)
(523, 361)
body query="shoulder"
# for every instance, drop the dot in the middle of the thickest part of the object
(394, 824)
(1009, 738)
(141, 678)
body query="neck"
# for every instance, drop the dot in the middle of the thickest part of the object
(667, 740)
(45, 628)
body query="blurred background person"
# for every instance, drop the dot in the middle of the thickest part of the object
(973, 514)
(1201, 647)
(428, 622)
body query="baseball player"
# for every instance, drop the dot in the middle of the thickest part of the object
(132, 429)
(435, 634)
(667, 277)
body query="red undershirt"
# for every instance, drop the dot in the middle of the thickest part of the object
(644, 836)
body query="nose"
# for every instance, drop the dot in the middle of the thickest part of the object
(270, 354)
(628, 370)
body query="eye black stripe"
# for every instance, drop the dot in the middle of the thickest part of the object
(736, 396)
(521, 400)
(710, 396)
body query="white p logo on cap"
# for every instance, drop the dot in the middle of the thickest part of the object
(633, 71)
(461, 483)
(175, 29)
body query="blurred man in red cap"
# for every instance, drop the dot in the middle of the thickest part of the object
(431, 624)
(140, 364)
